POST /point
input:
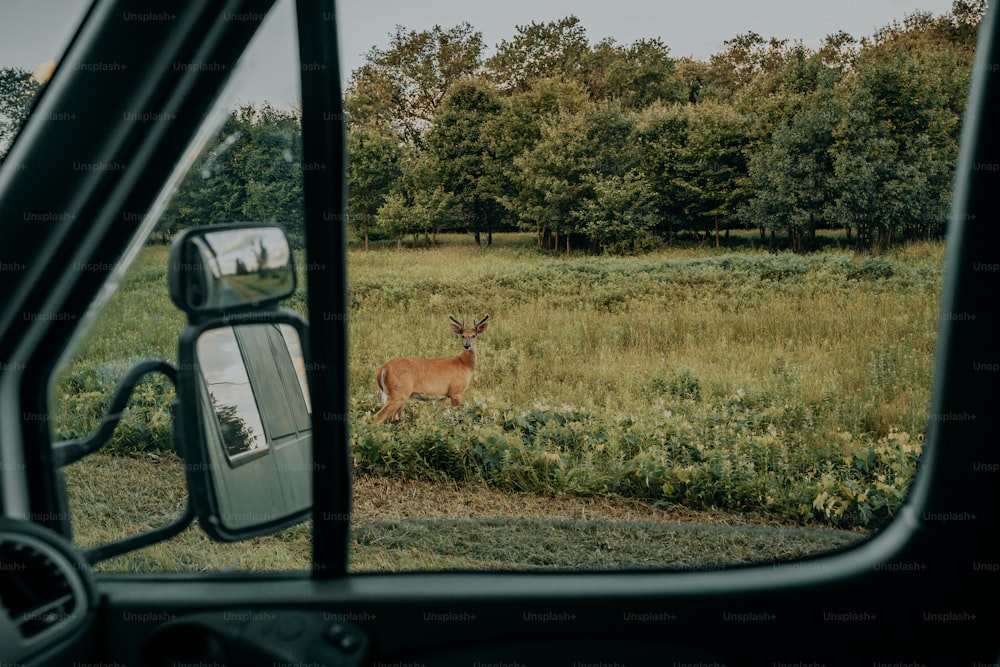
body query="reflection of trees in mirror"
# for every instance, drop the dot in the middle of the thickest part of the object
(261, 259)
(237, 436)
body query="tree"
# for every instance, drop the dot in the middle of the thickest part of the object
(745, 57)
(403, 85)
(620, 217)
(517, 129)
(17, 93)
(694, 158)
(373, 172)
(551, 176)
(461, 146)
(557, 49)
(395, 218)
(635, 76)
(793, 176)
(791, 165)
(557, 176)
(661, 135)
(895, 149)
(252, 172)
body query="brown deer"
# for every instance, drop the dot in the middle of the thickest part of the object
(403, 378)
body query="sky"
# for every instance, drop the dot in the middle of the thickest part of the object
(33, 31)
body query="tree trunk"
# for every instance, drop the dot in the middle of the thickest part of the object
(716, 231)
(567, 244)
(478, 240)
(366, 238)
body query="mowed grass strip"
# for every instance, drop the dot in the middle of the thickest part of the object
(404, 524)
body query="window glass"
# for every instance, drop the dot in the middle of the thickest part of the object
(709, 247)
(245, 167)
(709, 239)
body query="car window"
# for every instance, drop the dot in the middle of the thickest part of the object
(673, 305)
(710, 248)
(246, 167)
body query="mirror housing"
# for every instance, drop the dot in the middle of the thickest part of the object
(230, 268)
(243, 416)
(244, 423)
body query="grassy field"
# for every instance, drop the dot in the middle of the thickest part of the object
(780, 389)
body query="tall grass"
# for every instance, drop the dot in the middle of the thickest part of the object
(794, 385)
(797, 385)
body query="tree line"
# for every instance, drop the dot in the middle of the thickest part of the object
(621, 148)
(610, 147)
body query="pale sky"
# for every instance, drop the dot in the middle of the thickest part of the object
(32, 31)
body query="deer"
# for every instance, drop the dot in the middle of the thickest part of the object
(403, 378)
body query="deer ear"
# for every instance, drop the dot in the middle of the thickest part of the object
(457, 329)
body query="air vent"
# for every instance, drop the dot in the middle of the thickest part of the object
(34, 590)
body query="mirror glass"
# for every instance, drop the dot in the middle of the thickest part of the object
(258, 432)
(232, 268)
(229, 393)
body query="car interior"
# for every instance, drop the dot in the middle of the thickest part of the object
(922, 591)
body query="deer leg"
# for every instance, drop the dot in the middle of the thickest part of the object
(392, 408)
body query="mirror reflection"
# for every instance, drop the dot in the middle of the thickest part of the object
(229, 392)
(255, 409)
(237, 267)
(255, 376)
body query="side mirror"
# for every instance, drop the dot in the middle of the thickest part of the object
(243, 413)
(246, 427)
(226, 268)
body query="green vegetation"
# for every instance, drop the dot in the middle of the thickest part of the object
(703, 374)
(620, 148)
(793, 387)
(17, 92)
(787, 384)
(613, 148)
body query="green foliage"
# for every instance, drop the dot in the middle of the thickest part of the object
(557, 49)
(680, 384)
(618, 148)
(252, 172)
(744, 383)
(402, 86)
(794, 385)
(743, 462)
(17, 93)
(373, 173)
(873, 268)
(620, 218)
(461, 148)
